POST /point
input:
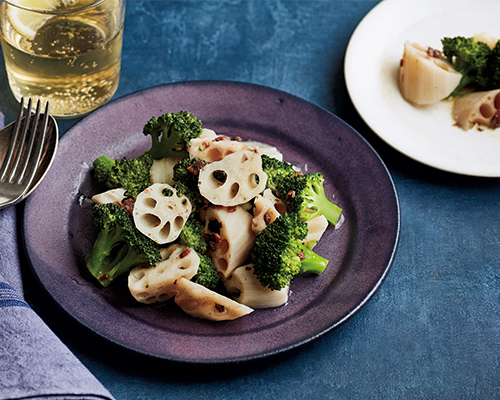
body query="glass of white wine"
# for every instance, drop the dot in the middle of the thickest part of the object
(64, 51)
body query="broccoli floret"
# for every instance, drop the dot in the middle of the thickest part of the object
(207, 274)
(493, 68)
(130, 174)
(195, 198)
(469, 58)
(119, 246)
(278, 254)
(187, 171)
(276, 170)
(171, 134)
(104, 171)
(192, 235)
(304, 194)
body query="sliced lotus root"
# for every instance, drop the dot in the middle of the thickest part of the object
(267, 207)
(111, 196)
(245, 288)
(200, 302)
(232, 227)
(157, 284)
(235, 180)
(215, 149)
(160, 213)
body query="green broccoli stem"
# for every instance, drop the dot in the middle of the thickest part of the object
(311, 262)
(467, 79)
(330, 211)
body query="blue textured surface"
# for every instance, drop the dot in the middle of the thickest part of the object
(432, 330)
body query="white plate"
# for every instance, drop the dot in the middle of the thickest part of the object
(425, 134)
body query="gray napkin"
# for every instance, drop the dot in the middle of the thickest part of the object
(34, 363)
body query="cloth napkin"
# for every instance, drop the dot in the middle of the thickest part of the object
(34, 363)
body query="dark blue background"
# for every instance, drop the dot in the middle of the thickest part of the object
(432, 330)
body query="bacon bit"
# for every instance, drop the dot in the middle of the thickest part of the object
(220, 138)
(248, 268)
(184, 253)
(196, 167)
(401, 62)
(297, 175)
(104, 277)
(220, 308)
(231, 209)
(290, 194)
(267, 219)
(237, 139)
(213, 240)
(301, 255)
(128, 204)
(433, 53)
(495, 121)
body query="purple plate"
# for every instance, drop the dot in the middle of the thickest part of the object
(59, 231)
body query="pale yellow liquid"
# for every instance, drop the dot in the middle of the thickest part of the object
(73, 63)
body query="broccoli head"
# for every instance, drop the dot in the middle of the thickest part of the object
(192, 235)
(119, 246)
(187, 171)
(278, 254)
(304, 194)
(469, 58)
(130, 174)
(195, 198)
(276, 170)
(493, 68)
(207, 274)
(171, 134)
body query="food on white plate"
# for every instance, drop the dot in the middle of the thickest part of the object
(486, 38)
(466, 71)
(477, 108)
(217, 232)
(425, 76)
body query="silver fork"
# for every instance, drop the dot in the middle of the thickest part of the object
(22, 158)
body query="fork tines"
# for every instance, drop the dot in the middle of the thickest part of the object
(20, 154)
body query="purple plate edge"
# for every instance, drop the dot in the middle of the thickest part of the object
(293, 345)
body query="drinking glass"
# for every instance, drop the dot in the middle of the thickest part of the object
(65, 51)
